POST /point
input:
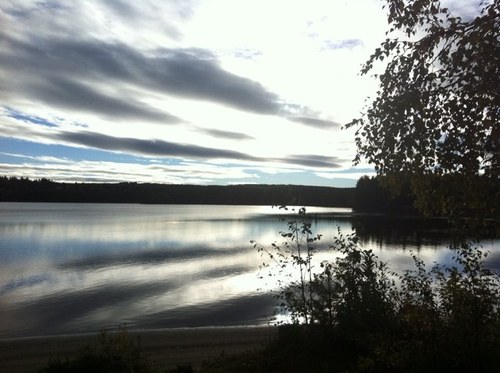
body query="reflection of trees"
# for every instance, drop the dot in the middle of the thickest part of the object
(394, 230)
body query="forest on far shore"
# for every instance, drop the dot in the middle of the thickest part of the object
(368, 195)
(44, 190)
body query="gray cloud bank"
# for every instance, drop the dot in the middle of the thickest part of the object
(314, 161)
(313, 122)
(169, 149)
(63, 65)
(71, 74)
(226, 134)
(149, 147)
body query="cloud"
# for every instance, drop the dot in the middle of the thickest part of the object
(149, 147)
(195, 73)
(226, 134)
(67, 93)
(120, 64)
(467, 10)
(157, 147)
(150, 16)
(117, 19)
(314, 161)
(246, 53)
(342, 44)
(29, 11)
(314, 122)
(120, 169)
(69, 73)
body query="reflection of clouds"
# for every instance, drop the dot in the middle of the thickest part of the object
(23, 282)
(400, 260)
(126, 292)
(194, 293)
(493, 261)
(154, 227)
(180, 271)
(87, 266)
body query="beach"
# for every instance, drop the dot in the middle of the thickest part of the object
(169, 347)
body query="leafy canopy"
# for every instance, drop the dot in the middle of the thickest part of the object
(438, 104)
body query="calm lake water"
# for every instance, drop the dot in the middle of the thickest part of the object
(72, 268)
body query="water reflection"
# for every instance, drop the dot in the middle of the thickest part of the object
(69, 268)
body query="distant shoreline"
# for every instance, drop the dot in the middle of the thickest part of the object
(25, 190)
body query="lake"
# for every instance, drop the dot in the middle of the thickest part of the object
(73, 268)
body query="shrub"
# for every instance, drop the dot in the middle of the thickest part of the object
(111, 352)
(447, 318)
(452, 314)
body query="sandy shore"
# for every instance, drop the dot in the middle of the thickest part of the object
(170, 346)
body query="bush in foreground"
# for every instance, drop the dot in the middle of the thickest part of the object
(113, 352)
(354, 314)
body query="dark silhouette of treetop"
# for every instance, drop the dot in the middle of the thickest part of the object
(436, 111)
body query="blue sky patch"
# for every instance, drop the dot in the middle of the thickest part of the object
(11, 113)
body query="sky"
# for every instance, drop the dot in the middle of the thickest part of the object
(185, 91)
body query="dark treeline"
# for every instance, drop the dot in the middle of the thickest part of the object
(371, 196)
(43, 190)
(451, 195)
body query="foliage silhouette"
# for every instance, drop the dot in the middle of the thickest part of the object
(112, 352)
(371, 196)
(436, 111)
(442, 319)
